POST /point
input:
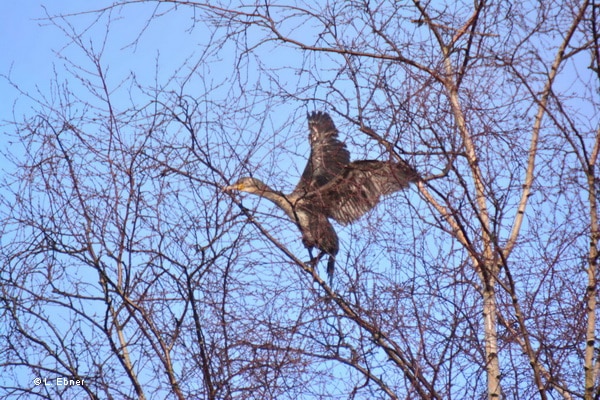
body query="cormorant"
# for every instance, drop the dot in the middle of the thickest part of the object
(331, 187)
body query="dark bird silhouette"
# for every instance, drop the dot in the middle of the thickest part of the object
(331, 187)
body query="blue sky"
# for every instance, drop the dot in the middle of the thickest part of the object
(27, 44)
(26, 51)
(30, 45)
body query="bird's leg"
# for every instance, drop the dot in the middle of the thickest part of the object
(314, 260)
(310, 254)
(330, 263)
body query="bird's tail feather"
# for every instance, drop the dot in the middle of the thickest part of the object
(330, 268)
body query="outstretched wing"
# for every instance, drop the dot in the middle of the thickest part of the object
(328, 156)
(361, 185)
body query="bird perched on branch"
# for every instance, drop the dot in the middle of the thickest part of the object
(331, 187)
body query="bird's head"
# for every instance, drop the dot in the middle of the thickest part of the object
(249, 185)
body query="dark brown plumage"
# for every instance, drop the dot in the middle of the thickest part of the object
(332, 187)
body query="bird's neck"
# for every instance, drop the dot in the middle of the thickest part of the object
(279, 199)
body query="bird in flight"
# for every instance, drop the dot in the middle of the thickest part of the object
(331, 187)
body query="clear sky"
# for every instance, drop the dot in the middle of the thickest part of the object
(29, 43)
(25, 44)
